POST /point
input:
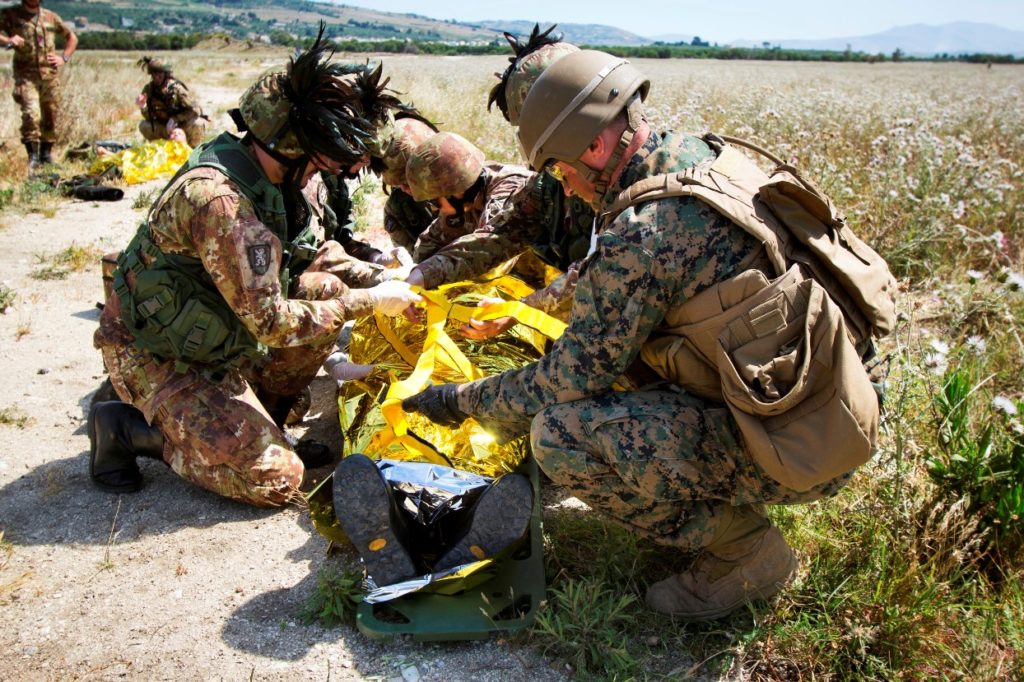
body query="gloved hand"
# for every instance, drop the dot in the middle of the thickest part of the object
(439, 404)
(397, 257)
(392, 297)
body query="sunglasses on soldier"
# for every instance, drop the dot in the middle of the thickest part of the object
(555, 171)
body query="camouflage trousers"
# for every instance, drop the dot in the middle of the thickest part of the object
(660, 462)
(39, 99)
(194, 130)
(217, 434)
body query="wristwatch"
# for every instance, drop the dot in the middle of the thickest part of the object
(65, 58)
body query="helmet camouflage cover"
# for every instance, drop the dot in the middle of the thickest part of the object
(528, 71)
(153, 65)
(318, 107)
(265, 111)
(445, 165)
(397, 142)
(528, 61)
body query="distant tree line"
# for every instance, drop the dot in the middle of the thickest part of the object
(129, 40)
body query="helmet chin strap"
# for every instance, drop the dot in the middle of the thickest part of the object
(294, 166)
(601, 178)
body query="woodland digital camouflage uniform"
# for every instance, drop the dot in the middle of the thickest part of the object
(217, 433)
(173, 100)
(660, 461)
(36, 83)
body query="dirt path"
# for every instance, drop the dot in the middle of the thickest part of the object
(171, 582)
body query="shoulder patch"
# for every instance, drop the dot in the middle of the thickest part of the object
(259, 258)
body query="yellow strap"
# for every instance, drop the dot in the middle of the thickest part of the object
(439, 309)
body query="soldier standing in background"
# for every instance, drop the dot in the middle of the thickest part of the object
(168, 104)
(30, 31)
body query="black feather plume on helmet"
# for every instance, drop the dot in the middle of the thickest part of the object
(335, 108)
(534, 42)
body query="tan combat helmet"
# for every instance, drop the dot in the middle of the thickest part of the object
(572, 101)
(397, 144)
(528, 62)
(445, 165)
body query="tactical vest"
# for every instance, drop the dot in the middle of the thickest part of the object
(566, 224)
(174, 309)
(784, 354)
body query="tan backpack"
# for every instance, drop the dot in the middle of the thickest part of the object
(783, 354)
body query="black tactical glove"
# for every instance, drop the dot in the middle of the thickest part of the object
(438, 404)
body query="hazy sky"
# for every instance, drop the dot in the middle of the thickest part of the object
(726, 20)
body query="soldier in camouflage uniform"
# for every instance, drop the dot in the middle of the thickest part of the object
(404, 217)
(167, 104)
(470, 192)
(666, 464)
(227, 300)
(539, 218)
(30, 31)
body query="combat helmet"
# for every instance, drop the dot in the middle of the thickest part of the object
(528, 62)
(444, 165)
(572, 102)
(398, 141)
(316, 107)
(153, 65)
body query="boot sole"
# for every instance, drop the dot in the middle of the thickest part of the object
(501, 516)
(363, 507)
(99, 483)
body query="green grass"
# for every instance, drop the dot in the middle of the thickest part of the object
(334, 601)
(12, 416)
(74, 258)
(7, 297)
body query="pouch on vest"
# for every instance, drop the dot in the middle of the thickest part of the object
(795, 384)
(173, 319)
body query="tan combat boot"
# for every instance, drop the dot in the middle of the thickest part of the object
(748, 560)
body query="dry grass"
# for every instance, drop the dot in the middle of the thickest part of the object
(926, 161)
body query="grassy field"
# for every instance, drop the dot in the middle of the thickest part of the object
(914, 571)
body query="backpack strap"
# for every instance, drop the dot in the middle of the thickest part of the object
(728, 185)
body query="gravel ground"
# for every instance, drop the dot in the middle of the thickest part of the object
(171, 582)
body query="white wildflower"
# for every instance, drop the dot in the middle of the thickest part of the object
(1015, 280)
(975, 276)
(940, 346)
(944, 198)
(1017, 427)
(936, 362)
(959, 210)
(893, 194)
(1004, 404)
(976, 344)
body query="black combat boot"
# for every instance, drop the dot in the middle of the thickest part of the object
(290, 409)
(370, 516)
(500, 517)
(32, 147)
(118, 433)
(45, 152)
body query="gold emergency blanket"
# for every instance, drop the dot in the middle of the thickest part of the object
(146, 161)
(372, 418)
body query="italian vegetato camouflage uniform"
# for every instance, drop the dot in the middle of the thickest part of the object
(36, 82)
(217, 433)
(538, 217)
(660, 461)
(173, 100)
(502, 181)
(405, 219)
